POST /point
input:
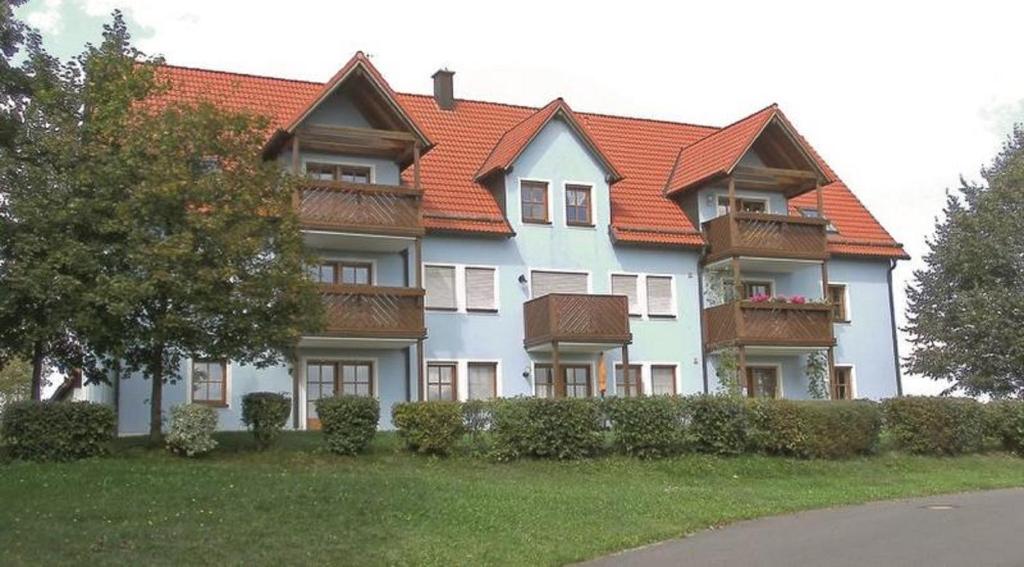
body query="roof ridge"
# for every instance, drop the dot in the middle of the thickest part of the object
(239, 74)
(735, 122)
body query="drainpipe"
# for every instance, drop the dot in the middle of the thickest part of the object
(700, 307)
(895, 341)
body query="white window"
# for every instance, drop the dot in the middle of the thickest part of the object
(440, 284)
(627, 284)
(663, 379)
(480, 289)
(659, 296)
(483, 380)
(543, 283)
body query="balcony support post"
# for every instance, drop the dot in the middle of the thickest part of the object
(831, 370)
(743, 366)
(421, 374)
(556, 370)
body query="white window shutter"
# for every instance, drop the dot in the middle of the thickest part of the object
(480, 288)
(626, 285)
(659, 295)
(440, 281)
(543, 283)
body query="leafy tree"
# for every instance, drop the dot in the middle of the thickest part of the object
(45, 263)
(965, 305)
(15, 381)
(14, 83)
(201, 252)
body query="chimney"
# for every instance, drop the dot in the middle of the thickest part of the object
(444, 90)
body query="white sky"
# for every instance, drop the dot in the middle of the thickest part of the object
(901, 98)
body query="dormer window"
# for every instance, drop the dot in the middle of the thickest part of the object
(339, 172)
(577, 205)
(534, 201)
(812, 212)
(744, 205)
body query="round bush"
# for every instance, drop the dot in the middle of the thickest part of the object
(647, 427)
(192, 427)
(56, 431)
(563, 428)
(935, 425)
(349, 422)
(429, 427)
(265, 414)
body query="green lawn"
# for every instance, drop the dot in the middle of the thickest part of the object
(295, 504)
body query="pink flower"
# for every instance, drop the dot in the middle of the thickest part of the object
(798, 299)
(759, 298)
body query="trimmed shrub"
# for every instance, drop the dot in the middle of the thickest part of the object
(56, 431)
(814, 429)
(646, 427)
(429, 427)
(1005, 424)
(265, 414)
(192, 427)
(717, 424)
(349, 422)
(564, 428)
(935, 426)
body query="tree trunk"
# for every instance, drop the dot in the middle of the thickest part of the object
(156, 374)
(38, 358)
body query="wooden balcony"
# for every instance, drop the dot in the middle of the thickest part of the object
(765, 236)
(362, 311)
(339, 206)
(577, 318)
(768, 324)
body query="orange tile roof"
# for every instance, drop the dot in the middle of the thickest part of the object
(644, 152)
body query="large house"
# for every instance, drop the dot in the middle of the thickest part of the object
(477, 249)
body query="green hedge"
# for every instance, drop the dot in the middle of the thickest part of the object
(564, 428)
(648, 427)
(265, 414)
(429, 427)
(1005, 424)
(348, 422)
(718, 424)
(935, 426)
(814, 429)
(56, 431)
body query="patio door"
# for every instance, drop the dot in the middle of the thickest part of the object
(325, 379)
(762, 381)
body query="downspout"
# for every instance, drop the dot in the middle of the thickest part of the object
(700, 307)
(895, 341)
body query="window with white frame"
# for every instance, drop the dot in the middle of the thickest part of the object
(440, 287)
(628, 285)
(544, 282)
(483, 380)
(480, 289)
(663, 379)
(659, 297)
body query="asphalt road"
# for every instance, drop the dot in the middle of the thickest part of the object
(975, 529)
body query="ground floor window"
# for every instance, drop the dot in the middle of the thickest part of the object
(543, 383)
(762, 381)
(441, 381)
(210, 382)
(576, 377)
(483, 380)
(627, 386)
(325, 379)
(663, 380)
(842, 383)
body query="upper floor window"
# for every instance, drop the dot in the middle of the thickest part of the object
(577, 206)
(659, 297)
(534, 201)
(746, 205)
(543, 283)
(339, 172)
(626, 284)
(837, 297)
(480, 289)
(440, 286)
(751, 288)
(812, 212)
(210, 382)
(344, 272)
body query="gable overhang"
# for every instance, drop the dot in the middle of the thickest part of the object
(561, 111)
(358, 74)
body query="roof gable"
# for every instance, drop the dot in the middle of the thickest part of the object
(719, 153)
(516, 139)
(360, 75)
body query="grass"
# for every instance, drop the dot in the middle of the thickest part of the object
(295, 504)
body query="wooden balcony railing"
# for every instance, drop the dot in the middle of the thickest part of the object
(359, 207)
(764, 235)
(768, 324)
(373, 311)
(576, 318)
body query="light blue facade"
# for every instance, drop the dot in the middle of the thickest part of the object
(556, 157)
